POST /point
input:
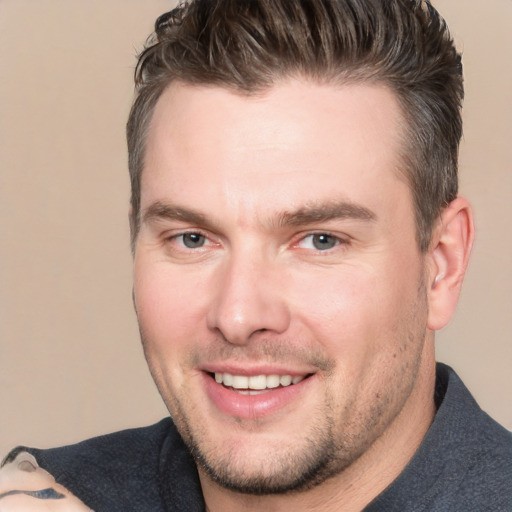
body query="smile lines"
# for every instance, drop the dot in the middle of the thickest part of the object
(256, 382)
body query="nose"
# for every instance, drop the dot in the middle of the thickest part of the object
(250, 299)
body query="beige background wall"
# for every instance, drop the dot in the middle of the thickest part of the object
(70, 361)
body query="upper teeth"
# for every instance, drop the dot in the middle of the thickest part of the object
(256, 381)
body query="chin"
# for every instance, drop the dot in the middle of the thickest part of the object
(251, 461)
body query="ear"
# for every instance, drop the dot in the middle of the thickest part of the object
(452, 240)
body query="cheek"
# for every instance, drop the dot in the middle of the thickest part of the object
(356, 314)
(336, 302)
(169, 306)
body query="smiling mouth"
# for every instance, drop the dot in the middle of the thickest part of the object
(256, 384)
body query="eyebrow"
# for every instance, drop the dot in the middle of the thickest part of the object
(163, 211)
(323, 212)
(309, 214)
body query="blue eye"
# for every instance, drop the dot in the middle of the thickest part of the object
(323, 241)
(320, 241)
(193, 240)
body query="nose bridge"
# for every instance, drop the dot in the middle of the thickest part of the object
(248, 298)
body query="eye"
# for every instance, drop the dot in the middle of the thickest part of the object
(192, 240)
(320, 241)
(190, 246)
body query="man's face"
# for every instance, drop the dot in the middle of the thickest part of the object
(278, 284)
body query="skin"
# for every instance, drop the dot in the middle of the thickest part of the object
(22, 476)
(305, 263)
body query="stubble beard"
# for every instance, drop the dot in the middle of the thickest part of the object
(328, 448)
(325, 450)
(319, 457)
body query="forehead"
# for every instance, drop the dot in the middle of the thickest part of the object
(295, 141)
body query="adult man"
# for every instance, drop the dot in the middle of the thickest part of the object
(297, 241)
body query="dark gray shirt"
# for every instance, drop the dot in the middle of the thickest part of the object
(464, 464)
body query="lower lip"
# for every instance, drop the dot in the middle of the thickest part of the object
(252, 406)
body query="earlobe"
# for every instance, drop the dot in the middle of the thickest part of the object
(452, 241)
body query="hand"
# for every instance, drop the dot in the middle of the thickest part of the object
(25, 487)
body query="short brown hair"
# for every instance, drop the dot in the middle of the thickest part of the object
(248, 45)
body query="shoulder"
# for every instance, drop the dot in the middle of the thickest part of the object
(472, 451)
(120, 449)
(466, 425)
(481, 450)
(464, 463)
(117, 471)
